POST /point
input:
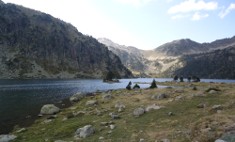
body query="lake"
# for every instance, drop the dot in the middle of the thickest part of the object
(21, 100)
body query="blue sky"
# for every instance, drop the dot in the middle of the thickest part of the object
(144, 24)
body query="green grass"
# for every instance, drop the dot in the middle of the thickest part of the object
(184, 126)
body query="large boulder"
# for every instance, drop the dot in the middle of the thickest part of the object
(138, 111)
(107, 97)
(76, 97)
(152, 107)
(7, 138)
(49, 109)
(91, 102)
(85, 131)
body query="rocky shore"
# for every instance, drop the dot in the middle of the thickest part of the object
(189, 112)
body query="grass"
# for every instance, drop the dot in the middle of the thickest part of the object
(188, 123)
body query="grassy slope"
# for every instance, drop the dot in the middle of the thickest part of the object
(188, 123)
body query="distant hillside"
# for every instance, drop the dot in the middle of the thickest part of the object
(218, 64)
(130, 56)
(36, 45)
(179, 57)
(180, 47)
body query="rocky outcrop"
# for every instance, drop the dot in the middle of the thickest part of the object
(36, 45)
(85, 131)
(49, 109)
(7, 138)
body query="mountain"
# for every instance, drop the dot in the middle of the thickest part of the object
(217, 64)
(180, 47)
(36, 45)
(130, 56)
(179, 57)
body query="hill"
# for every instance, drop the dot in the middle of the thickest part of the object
(36, 45)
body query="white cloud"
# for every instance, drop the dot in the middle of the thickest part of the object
(225, 12)
(198, 16)
(193, 9)
(192, 6)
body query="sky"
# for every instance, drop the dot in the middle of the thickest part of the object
(145, 24)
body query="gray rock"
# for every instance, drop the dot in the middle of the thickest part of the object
(219, 140)
(120, 106)
(49, 109)
(114, 116)
(21, 130)
(201, 105)
(179, 98)
(85, 131)
(107, 96)
(213, 92)
(112, 126)
(152, 107)
(162, 96)
(165, 140)
(91, 102)
(76, 97)
(7, 138)
(142, 140)
(60, 141)
(138, 112)
(216, 107)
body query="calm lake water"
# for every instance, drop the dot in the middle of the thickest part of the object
(22, 99)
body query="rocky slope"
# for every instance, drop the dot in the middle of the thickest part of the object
(183, 57)
(37, 45)
(216, 64)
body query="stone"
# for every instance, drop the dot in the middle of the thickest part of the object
(142, 140)
(138, 111)
(76, 97)
(107, 97)
(162, 96)
(179, 91)
(212, 92)
(114, 116)
(165, 140)
(219, 140)
(178, 98)
(91, 102)
(21, 130)
(104, 123)
(152, 107)
(216, 107)
(85, 131)
(112, 126)
(7, 138)
(201, 105)
(60, 141)
(49, 109)
(170, 113)
(101, 138)
(120, 106)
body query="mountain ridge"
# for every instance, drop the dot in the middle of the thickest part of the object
(36, 45)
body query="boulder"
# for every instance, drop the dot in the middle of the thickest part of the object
(7, 138)
(114, 116)
(85, 131)
(152, 107)
(76, 97)
(91, 102)
(219, 140)
(138, 111)
(216, 107)
(107, 96)
(162, 96)
(120, 106)
(49, 109)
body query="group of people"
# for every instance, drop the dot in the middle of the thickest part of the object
(190, 78)
(136, 86)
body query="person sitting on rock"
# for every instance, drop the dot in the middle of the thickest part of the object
(189, 79)
(128, 87)
(181, 79)
(176, 78)
(136, 86)
(153, 84)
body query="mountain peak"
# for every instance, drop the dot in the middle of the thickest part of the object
(1, 2)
